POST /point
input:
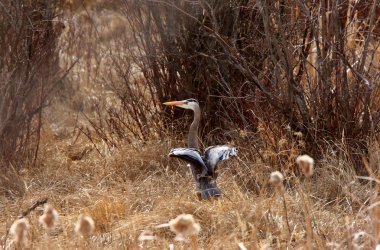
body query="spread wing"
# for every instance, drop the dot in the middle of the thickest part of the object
(190, 155)
(215, 154)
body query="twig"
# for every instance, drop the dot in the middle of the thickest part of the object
(34, 206)
(367, 40)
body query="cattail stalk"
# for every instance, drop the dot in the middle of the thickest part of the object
(254, 240)
(194, 242)
(285, 216)
(308, 222)
(276, 179)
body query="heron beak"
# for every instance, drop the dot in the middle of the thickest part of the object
(175, 103)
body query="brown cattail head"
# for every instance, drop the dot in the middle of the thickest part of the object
(306, 164)
(85, 226)
(184, 225)
(19, 232)
(276, 179)
(49, 218)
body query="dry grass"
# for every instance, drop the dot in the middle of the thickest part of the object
(136, 188)
(130, 190)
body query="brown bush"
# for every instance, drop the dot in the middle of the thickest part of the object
(29, 75)
(311, 67)
(300, 69)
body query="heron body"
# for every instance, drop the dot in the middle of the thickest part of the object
(203, 167)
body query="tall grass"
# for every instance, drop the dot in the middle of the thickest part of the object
(276, 79)
(132, 190)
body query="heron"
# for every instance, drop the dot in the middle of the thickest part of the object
(203, 168)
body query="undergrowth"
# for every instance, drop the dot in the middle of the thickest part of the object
(135, 188)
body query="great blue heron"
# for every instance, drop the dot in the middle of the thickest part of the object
(202, 167)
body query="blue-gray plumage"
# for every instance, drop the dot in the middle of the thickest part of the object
(202, 167)
(208, 162)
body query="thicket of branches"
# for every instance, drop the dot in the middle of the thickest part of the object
(312, 67)
(299, 66)
(28, 77)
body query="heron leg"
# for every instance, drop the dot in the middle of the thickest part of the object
(206, 187)
(201, 175)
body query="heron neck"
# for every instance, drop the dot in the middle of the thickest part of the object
(193, 132)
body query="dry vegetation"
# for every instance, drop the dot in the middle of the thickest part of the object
(130, 190)
(276, 79)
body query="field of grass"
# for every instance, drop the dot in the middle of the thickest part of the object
(132, 189)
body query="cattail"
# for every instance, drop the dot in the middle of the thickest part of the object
(306, 163)
(276, 179)
(49, 218)
(85, 226)
(19, 231)
(184, 225)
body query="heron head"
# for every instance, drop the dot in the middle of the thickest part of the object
(186, 104)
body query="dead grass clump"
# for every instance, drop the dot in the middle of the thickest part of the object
(76, 153)
(107, 211)
(132, 161)
(339, 183)
(19, 231)
(279, 147)
(11, 183)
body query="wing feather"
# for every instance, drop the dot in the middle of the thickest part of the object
(215, 154)
(190, 155)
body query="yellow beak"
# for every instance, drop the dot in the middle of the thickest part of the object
(174, 103)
